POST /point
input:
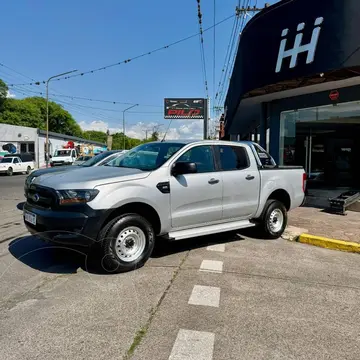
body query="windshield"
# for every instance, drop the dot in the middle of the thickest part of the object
(147, 157)
(95, 159)
(62, 153)
(6, 160)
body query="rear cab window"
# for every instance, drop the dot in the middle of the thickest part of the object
(264, 156)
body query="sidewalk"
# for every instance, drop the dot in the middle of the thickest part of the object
(320, 223)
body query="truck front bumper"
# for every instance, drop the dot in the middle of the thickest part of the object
(79, 226)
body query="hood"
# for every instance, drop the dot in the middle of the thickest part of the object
(51, 170)
(88, 178)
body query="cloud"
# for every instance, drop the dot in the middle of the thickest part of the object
(179, 129)
(10, 95)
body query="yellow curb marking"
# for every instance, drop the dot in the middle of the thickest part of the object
(329, 243)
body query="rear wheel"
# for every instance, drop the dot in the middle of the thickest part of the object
(126, 243)
(274, 219)
(10, 171)
(28, 170)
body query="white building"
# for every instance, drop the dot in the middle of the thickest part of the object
(21, 139)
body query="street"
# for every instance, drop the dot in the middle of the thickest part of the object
(229, 296)
(11, 200)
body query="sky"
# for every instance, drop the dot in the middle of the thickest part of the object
(42, 38)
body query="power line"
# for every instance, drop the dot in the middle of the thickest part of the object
(112, 110)
(232, 34)
(129, 59)
(17, 72)
(202, 52)
(89, 99)
(239, 28)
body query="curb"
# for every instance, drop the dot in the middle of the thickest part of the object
(327, 243)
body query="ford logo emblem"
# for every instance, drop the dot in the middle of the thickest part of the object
(36, 197)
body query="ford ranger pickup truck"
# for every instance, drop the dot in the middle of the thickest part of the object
(172, 190)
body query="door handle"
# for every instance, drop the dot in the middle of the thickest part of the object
(213, 181)
(250, 177)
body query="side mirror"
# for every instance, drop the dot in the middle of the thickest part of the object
(182, 168)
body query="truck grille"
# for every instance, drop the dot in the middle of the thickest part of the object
(41, 197)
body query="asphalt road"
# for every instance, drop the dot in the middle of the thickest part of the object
(11, 200)
(244, 299)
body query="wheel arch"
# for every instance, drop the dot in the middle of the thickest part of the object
(140, 208)
(282, 196)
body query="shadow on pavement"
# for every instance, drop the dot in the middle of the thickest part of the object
(59, 259)
(44, 257)
(164, 248)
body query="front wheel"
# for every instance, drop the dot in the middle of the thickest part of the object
(126, 243)
(274, 219)
(10, 171)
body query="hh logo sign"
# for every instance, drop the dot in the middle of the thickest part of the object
(299, 48)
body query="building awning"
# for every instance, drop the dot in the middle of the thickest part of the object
(292, 44)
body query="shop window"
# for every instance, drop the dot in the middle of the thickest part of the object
(287, 137)
(23, 148)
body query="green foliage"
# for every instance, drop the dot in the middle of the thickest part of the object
(32, 112)
(21, 113)
(3, 92)
(95, 136)
(118, 142)
(154, 136)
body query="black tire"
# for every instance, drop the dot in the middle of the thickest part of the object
(10, 171)
(269, 219)
(111, 261)
(28, 170)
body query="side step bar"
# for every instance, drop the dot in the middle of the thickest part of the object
(209, 230)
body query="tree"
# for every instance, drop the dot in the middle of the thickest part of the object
(3, 92)
(21, 113)
(32, 112)
(154, 136)
(94, 135)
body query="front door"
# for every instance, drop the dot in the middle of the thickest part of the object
(196, 199)
(241, 182)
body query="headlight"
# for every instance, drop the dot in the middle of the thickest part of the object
(70, 197)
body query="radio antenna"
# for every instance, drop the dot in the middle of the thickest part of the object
(163, 139)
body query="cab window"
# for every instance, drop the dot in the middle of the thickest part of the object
(202, 156)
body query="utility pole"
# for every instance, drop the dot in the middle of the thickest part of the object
(206, 118)
(47, 112)
(124, 144)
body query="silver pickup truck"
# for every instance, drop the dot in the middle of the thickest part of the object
(172, 189)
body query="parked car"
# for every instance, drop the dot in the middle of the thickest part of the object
(97, 160)
(174, 190)
(81, 159)
(16, 163)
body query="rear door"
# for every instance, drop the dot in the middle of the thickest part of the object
(241, 182)
(196, 199)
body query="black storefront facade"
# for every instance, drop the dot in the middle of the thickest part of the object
(295, 88)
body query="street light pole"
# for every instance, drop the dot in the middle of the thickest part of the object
(124, 122)
(47, 112)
